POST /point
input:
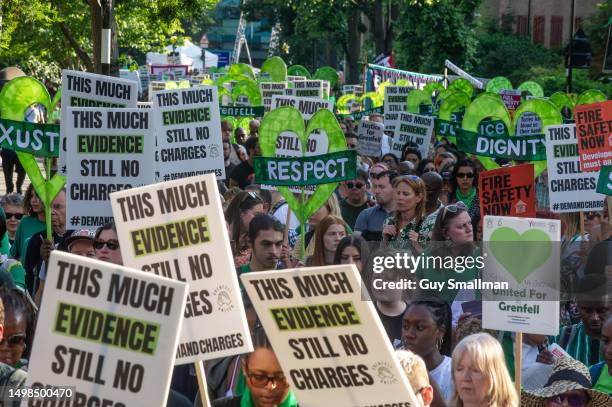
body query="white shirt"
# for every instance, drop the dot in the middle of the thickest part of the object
(443, 376)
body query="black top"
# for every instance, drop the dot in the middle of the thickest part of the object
(243, 174)
(393, 326)
(33, 261)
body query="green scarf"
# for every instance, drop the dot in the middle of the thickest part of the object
(466, 199)
(247, 401)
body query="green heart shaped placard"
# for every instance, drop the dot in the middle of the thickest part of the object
(562, 100)
(498, 84)
(15, 98)
(533, 88)
(517, 253)
(289, 119)
(453, 103)
(415, 99)
(327, 73)
(591, 96)
(248, 88)
(343, 102)
(298, 70)
(276, 68)
(463, 85)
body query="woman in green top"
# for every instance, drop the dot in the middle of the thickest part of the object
(464, 181)
(266, 384)
(31, 224)
(452, 238)
(403, 228)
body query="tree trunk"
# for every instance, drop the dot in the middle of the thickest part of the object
(353, 48)
(114, 46)
(379, 27)
(96, 34)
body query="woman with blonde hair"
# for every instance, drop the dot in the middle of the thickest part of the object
(326, 239)
(404, 226)
(480, 374)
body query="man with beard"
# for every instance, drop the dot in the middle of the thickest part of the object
(266, 237)
(369, 222)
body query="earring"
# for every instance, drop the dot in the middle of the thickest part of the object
(439, 342)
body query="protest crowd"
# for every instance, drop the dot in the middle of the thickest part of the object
(391, 189)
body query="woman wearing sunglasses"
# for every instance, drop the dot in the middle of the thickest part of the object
(106, 244)
(266, 384)
(32, 223)
(403, 228)
(13, 210)
(19, 316)
(464, 182)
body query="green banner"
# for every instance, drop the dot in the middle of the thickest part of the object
(446, 128)
(526, 148)
(363, 113)
(242, 111)
(40, 140)
(604, 183)
(302, 171)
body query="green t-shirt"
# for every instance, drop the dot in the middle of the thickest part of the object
(604, 383)
(28, 227)
(5, 248)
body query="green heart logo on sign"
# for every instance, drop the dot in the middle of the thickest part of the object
(298, 70)
(522, 257)
(533, 88)
(463, 85)
(485, 107)
(15, 98)
(498, 84)
(289, 119)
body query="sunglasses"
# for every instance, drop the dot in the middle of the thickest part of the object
(454, 208)
(355, 185)
(14, 341)
(572, 400)
(262, 380)
(111, 244)
(465, 175)
(17, 216)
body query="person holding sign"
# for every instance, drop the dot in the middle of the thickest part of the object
(405, 225)
(480, 374)
(266, 384)
(463, 188)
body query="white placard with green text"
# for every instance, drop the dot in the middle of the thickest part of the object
(176, 229)
(109, 331)
(524, 253)
(328, 338)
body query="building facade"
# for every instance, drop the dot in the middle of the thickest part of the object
(545, 22)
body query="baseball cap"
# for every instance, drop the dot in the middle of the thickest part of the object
(81, 234)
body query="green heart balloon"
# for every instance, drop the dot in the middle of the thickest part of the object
(453, 103)
(15, 98)
(344, 100)
(241, 69)
(463, 85)
(498, 83)
(489, 107)
(327, 73)
(591, 96)
(506, 243)
(248, 88)
(562, 100)
(432, 87)
(533, 88)
(415, 99)
(298, 70)
(276, 68)
(289, 119)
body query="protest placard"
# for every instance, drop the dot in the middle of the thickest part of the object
(108, 150)
(322, 325)
(525, 148)
(295, 78)
(569, 188)
(177, 230)
(268, 89)
(369, 136)
(82, 89)
(307, 89)
(604, 183)
(395, 103)
(528, 124)
(525, 254)
(508, 191)
(594, 129)
(188, 129)
(412, 128)
(145, 78)
(511, 98)
(110, 332)
(357, 90)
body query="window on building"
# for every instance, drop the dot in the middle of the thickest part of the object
(521, 26)
(538, 29)
(556, 31)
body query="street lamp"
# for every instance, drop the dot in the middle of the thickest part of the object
(204, 46)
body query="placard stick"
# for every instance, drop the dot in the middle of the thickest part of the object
(287, 226)
(49, 200)
(446, 78)
(582, 226)
(518, 359)
(202, 385)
